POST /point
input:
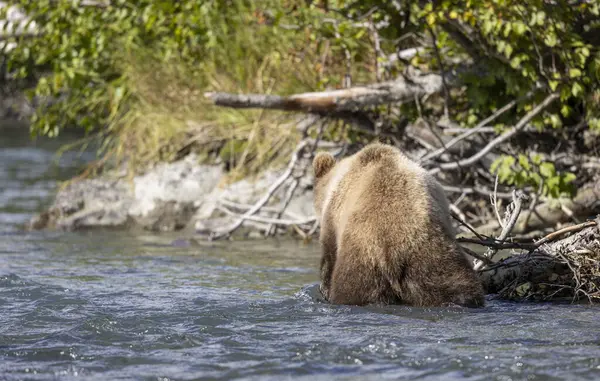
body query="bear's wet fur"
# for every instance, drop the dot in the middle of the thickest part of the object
(386, 234)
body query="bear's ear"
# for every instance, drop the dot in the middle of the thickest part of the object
(322, 163)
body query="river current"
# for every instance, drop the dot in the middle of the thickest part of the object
(115, 306)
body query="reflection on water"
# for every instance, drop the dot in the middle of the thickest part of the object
(102, 305)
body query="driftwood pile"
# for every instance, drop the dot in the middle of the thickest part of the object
(563, 264)
(567, 269)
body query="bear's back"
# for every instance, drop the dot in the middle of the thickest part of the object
(383, 195)
(394, 235)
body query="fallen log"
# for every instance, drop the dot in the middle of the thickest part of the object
(343, 100)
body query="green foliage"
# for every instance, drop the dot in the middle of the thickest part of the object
(135, 71)
(533, 171)
(520, 46)
(79, 50)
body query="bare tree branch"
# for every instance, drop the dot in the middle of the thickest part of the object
(510, 220)
(377, 49)
(402, 55)
(477, 129)
(498, 140)
(441, 63)
(476, 190)
(494, 199)
(270, 221)
(569, 229)
(263, 201)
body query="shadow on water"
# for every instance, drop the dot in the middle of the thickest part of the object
(113, 305)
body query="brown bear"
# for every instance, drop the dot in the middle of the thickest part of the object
(386, 234)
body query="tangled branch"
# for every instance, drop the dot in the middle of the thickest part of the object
(265, 199)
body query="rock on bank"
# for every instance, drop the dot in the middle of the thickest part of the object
(182, 195)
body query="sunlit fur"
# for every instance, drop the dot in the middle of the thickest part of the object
(386, 233)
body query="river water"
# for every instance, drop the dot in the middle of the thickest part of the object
(111, 306)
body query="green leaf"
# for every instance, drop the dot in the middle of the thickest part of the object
(499, 128)
(568, 177)
(553, 85)
(507, 29)
(500, 46)
(505, 175)
(594, 123)
(585, 51)
(555, 121)
(509, 160)
(577, 89)
(430, 19)
(565, 93)
(536, 158)
(574, 73)
(541, 17)
(524, 162)
(515, 62)
(487, 27)
(520, 28)
(547, 170)
(472, 119)
(538, 18)
(508, 50)
(495, 164)
(550, 40)
(553, 184)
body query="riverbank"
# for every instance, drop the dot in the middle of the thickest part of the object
(183, 203)
(193, 195)
(114, 304)
(184, 195)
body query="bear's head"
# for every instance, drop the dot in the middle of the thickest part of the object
(323, 164)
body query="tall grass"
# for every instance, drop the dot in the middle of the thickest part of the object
(164, 114)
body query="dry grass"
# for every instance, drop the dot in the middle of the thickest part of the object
(170, 118)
